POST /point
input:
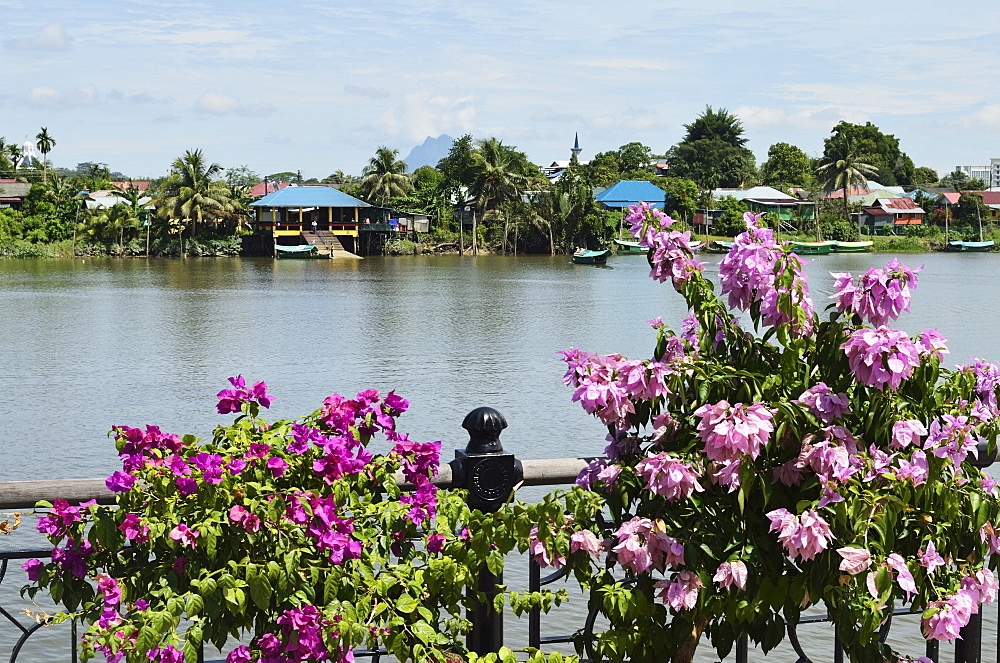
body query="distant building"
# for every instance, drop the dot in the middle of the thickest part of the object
(768, 200)
(994, 177)
(556, 168)
(983, 173)
(13, 193)
(887, 213)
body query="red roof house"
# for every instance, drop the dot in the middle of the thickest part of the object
(892, 212)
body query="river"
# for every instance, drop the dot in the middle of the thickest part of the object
(87, 344)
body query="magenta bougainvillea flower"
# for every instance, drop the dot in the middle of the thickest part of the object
(232, 400)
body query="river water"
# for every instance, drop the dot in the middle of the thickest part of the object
(87, 344)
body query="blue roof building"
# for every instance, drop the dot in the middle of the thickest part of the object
(318, 215)
(630, 192)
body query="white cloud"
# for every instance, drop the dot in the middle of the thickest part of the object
(370, 92)
(602, 122)
(555, 117)
(814, 118)
(47, 97)
(986, 118)
(423, 114)
(52, 37)
(214, 103)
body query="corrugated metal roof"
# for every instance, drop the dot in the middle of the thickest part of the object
(630, 192)
(309, 196)
(756, 192)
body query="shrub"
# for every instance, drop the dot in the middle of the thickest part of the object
(823, 460)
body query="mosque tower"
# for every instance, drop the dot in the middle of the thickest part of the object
(29, 158)
(576, 147)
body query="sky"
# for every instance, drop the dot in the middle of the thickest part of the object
(318, 86)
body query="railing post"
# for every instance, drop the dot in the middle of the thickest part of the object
(968, 648)
(490, 475)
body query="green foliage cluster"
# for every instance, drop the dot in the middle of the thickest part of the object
(272, 519)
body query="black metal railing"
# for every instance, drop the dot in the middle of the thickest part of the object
(490, 475)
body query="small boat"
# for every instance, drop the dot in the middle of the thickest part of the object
(718, 246)
(852, 247)
(299, 251)
(812, 248)
(588, 257)
(976, 247)
(628, 248)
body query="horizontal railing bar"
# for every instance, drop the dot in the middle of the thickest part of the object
(25, 494)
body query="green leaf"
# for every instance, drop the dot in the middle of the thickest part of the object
(260, 591)
(406, 603)
(425, 632)
(194, 605)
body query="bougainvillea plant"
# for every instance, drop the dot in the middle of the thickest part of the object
(813, 460)
(291, 537)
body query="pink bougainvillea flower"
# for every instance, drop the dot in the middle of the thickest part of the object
(824, 404)
(681, 593)
(587, 541)
(33, 567)
(730, 431)
(854, 560)
(731, 573)
(668, 476)
(951, 615)
(905, 433)
(881, 357)
(904, 578)
(184, 535)
(879, 295)
(802, 536)
(982, 585)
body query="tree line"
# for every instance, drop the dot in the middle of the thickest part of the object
(483, 186)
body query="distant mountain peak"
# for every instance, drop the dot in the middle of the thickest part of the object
(429, 152)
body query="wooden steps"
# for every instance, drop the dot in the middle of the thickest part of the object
(327, 243)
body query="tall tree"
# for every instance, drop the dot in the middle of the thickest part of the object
(14, 155)
(501, 178)
(385, 177)
(44, 143)
(193, 194)
(843, 167)
(892, 166)
(786, 165)
(712, 152)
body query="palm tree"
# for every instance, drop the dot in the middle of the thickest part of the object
(500, 178)
(844, 168)
(45, 144)
(385, 177)
(193, 194)
(14, 154)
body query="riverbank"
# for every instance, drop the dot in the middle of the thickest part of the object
(233, 248)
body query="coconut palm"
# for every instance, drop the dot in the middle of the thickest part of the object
(193, 194)
(14, 155)
(385, 177)
(44, 143)
(500, 178)
(844, 168)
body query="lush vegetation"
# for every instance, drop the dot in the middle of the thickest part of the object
(485, 195)
(820, 459)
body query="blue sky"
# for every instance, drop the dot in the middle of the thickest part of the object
(318, 86)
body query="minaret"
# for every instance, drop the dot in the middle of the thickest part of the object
(576, 147)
